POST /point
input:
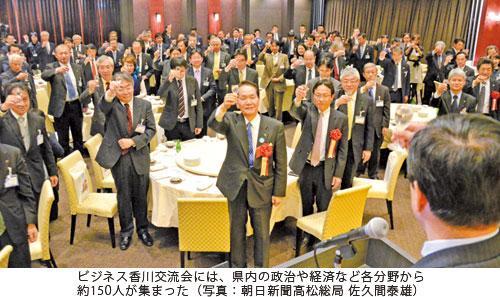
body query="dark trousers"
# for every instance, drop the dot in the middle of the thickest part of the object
(350, 167)
(313, 188)
(275, 100)
(259, 218)
(132, 191)
(20, 256)
(181, 131)
(71, 118)
(374, 159)
(396, 96)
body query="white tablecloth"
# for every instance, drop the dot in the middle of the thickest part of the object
(165, 194)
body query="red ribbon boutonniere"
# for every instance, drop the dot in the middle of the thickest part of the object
(335, 136)
(265, 151)
(495, 95)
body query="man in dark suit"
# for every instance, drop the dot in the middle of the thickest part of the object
(13, 49)
(379, 96)
(319, 159)
(290, 45)
(217, 60)
(130, 126)
(483, 87)
(336, 53)
(79, 49)
(25, 129)
(303, 71)
(273, 80)
(396, 75)
(206, 85)
(96, 88)
(182, 117)
(458, 46)
(144, 63)
(117, 55)
(359, 110)
(46, 50)
(235, 42)
(460, 60)
(460, 221)
(436, 62)
(67, 83)
(454, 100)
(159, 53)
(89, 66)
(302, 36)
(16, 74)
(361, 54)
(237, 71)
(325, 68)
(17, 206)
(251, 51)
(243, 178)
(353, 40)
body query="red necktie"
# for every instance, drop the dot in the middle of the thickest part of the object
(335, 71)
(129, 119)
(92, 66)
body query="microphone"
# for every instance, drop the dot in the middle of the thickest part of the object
(376, 228)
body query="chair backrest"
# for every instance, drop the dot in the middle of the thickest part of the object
(392, 169)
(92, 146)
(44, 206)
(345, 211)
(296, 135)
(4, 256)
(71, 164)
(153, 144)
(203, 225)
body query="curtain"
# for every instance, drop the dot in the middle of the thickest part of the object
(92, 19)
(433, 19)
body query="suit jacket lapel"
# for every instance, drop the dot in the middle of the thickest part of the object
(32, 131)
(332, 123)
(15, 127)
(314, 120)
(263, 134)
(137, 114)
(241, 131)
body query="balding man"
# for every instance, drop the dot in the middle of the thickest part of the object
(79, 49)
(303, 71)
(46, 50)
(67, 83)
(16, 73)
(217, 60)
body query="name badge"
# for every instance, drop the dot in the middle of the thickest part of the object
(11, 179)
(360, 119)
(80, 83)
(194, 102)
(39, 138)
(146, 67)
(35, 55)
(222, 65)
(367, 57)
(463, 111)
(282, 66)
(379, 102)
(206, 83)
(140, 127)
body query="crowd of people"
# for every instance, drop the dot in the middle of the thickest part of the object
(340, 96)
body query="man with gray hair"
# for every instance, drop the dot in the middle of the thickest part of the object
(436, 63)
(453, 100)
(46, 51)
(217, 60)
(359, 110)
(14, 74)
(456, 199)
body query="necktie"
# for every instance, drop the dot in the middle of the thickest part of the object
(24, 132)
(249, 54)
(439, 62)
(2, 224)
(481, 100)
(250, 145)
(316, 150)
(350, 116)
(180, 95)
(70, 87)
(241, 75)
(216, 65)
(336, 70)
(197, 76)
(107, 86)
(309, 75)
(129, 118)
(139, 64)
(370, 92)
(396, 78)
(92, 66)
(454, 105)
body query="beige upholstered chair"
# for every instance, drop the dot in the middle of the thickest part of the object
(81, 199)
(4, 256)
(344, 213)
(384, 189)
(102, 178)
(40, 249)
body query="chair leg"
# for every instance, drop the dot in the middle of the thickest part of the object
(389, 209)
(89, 217)
(298, 241)
(47, 263)
(182, 260)
(73, 224)
(52, 260)
(111, 224)
(189, 256)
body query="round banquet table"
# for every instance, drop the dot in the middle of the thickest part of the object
(199, 181)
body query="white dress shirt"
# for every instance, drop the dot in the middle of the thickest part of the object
(73, 80)
(399, 85)
(432, 246)
(487, 101)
